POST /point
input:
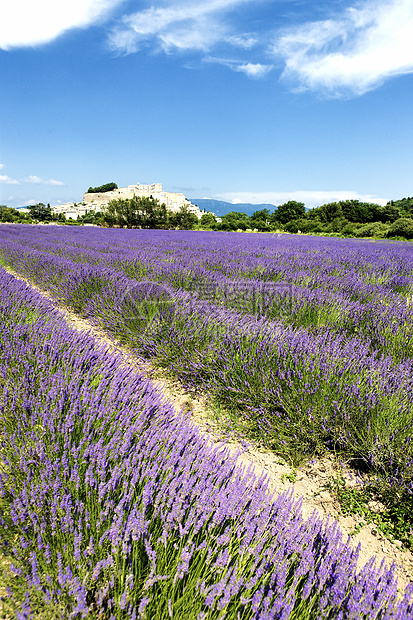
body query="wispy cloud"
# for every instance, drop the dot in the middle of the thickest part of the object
(346, 54)
(6, 180)
(252, 70)
(180, 26)
(32, 178)
(246, 41)
(352, 53)
(24, 23)
(311, 198)
(1, 166)
(186, 26)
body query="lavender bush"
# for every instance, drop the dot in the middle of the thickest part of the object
(113, 506)
(306, 340)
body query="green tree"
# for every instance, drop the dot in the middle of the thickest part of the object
(351, 210)
(363, 212)
(235, 220)
(183, 219)
(136, 212)
(41, 213)
(93, 217)
(114, 213)
(372, 229)
(208, 220)
(304, 225)
(157, 215)
(326, 213)
(108, 187)
(7, 214)
(292, 227)
(389, 214)
(261, 220)
(291, 210)
(405, 205)
(403, 227)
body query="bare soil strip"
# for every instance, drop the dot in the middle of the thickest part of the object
(310, 481)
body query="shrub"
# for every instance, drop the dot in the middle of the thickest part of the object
(403, 227)
(292, 227)
(374, 229)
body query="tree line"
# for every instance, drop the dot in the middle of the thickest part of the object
(351, 218)
(43, 213)
(348, 218)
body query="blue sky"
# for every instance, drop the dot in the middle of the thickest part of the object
(238, 100)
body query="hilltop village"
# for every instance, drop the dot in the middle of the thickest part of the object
(97, 201)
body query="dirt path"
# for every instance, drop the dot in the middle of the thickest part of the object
(311, 480)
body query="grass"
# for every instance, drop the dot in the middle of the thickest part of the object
(369, 501)
(291, 477)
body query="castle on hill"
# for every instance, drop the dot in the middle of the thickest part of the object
(98, 201)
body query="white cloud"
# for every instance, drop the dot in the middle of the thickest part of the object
(32, 178)
(311, 198)
(349, 53)
(185, 25)
(246, 41)
(346, 54)
(1, 166)
(352, 53)
(252, 70)
(29, 22)
(7, 180)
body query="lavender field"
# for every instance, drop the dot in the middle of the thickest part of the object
(112, 506)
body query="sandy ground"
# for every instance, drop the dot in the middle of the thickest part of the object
(311, 480)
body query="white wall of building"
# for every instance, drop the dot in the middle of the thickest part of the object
(98, 201)
(173, 200)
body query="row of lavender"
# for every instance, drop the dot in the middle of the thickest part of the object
(299, 390)
(113, 506)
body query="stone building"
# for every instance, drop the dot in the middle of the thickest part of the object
(98, 201)
(173, 200)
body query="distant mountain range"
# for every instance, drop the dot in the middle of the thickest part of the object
(220, 207)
